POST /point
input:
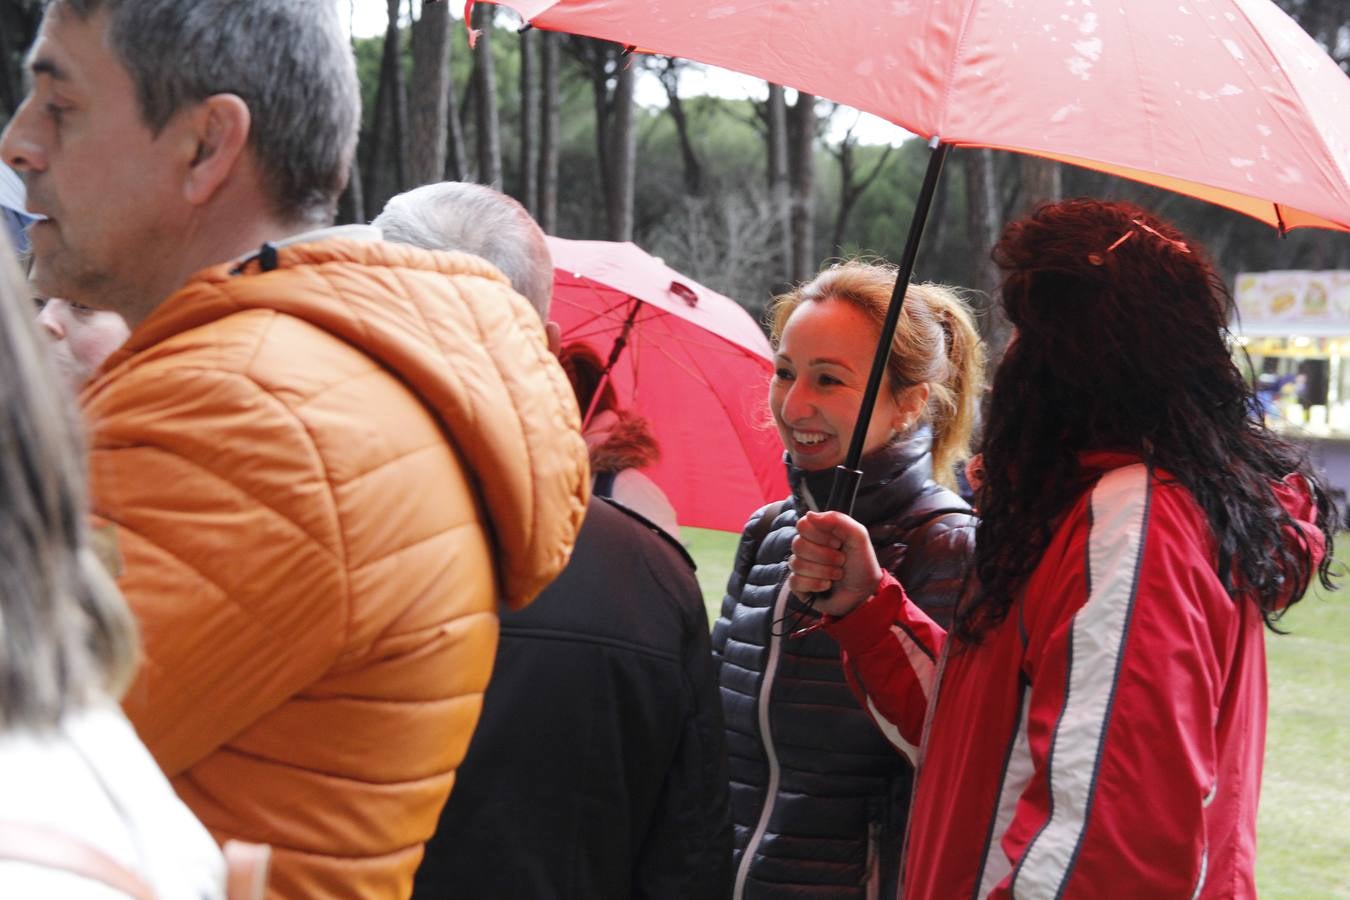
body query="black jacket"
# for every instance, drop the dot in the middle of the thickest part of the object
(598, 768)
(839, 792)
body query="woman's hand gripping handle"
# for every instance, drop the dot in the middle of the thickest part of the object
(832, 558)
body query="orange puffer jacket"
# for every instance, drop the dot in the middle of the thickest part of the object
(323, 478)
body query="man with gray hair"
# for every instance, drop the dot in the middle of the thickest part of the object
(459, 215)
(323, 459)
(627, 796)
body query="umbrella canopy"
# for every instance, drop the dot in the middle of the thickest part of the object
(1225, 100)
(695, 364)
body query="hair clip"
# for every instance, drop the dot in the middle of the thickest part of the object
(1097, 258)
(1179, 245)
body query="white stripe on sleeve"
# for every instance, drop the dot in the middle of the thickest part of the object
(924, 671)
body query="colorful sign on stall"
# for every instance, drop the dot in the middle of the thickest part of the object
(1276, 304)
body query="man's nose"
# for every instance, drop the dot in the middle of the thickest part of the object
(18, 145)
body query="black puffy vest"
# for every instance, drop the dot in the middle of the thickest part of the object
(823, 796)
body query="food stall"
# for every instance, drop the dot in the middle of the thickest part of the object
(1295, 328)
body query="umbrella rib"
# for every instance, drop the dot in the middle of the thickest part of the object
(697, 376)
(612, 316)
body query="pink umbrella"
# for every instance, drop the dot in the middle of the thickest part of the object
(1225, 100)
(693, 362)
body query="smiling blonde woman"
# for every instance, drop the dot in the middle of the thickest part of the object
(819, 796)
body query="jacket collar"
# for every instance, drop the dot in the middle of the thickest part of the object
(892, 477)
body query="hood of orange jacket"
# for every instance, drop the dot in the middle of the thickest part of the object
(518, 431)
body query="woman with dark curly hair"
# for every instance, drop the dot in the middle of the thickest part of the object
(1096, 721)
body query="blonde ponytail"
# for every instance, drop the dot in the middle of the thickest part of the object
(953, 401)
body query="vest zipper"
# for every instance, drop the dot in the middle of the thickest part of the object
(765, 688)
(874, 861)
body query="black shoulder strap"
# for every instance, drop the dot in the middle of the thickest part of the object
(933, 505)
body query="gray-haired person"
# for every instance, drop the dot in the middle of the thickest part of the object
(325, 459)
(628, 795)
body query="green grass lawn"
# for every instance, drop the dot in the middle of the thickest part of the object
(1304, 822)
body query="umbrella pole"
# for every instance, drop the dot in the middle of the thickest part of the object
(844, 489)
(615, 352)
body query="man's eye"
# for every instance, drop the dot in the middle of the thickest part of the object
(829, 380)
(56, 112)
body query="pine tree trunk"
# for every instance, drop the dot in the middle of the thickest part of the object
(693, 166)
(597, 56)
(18, 28)
(399, 136)
(550, 109)
(622, 154)
(489, 133)
(983, 225)
(430, 93)
(351, 205)
(529, 121)
(456, 155)
(1041, 182)
(802, 169)
(386, 174)
(847, 197)
(779, 198)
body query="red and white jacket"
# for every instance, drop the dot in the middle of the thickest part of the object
(1106, 739)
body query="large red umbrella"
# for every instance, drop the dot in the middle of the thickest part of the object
(1225, 100)
(692, 361)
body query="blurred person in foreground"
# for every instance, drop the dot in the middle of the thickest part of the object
(598, 770)
(1096, 717)
(819, 798)
(86, 810)
(325, 459)
(81, 338)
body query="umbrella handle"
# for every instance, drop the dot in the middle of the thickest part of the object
(844, 489)
(842, 495)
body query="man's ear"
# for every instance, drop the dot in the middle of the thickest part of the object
(219, 127)
(554, 334)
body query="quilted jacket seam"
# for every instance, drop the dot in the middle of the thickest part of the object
(526, 444)
(343, 552)
(225, 594)
(440, 533)
(203, 467)
(236, 750)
